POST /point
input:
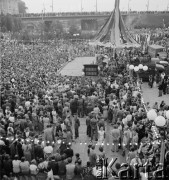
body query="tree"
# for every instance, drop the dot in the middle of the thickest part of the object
(73, 29)
(10, 23)
(22, 7)
(57, 27)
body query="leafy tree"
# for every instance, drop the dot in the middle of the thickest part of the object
(26, 36)
(73, 29)
(57, 27)
(10, 23)
(22, 7)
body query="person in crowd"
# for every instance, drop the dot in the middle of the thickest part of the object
(92, 156)
(24, 168)
(38, 106)
(93, 124)
(115, 138)
(33, 169)
(48, 150)
(102, 135)
(7, 165)
(88, 130)
(78, 170)
(77, 155)
(76, 126)
(68, 151)
(27, 150)
(53, 165)
(49, 134)
(62, 168)
(70, 170)
(131, 154)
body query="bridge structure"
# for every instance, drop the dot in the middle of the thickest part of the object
(32, 19)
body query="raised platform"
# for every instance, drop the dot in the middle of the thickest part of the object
(75, 67)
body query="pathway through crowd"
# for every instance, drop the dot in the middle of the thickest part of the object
(74, 68)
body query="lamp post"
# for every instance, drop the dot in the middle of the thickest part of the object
(96, 5)
(81, 5)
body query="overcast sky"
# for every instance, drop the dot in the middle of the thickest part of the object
(36, 6)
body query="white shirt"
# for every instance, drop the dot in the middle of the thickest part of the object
(96, 110)
(144, 176)
(134, 161)
(33, 168)
(48, 149)
(16, 166)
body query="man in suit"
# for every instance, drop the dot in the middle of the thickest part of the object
(53, 165)
(69, 152)
(38, 151)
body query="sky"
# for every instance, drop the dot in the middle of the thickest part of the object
(36, 6)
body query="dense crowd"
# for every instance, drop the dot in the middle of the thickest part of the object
(41, 110)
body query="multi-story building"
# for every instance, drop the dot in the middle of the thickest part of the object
(9, 7)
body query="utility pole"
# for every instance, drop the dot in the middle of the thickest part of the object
(129, 6)
(147, 5)
(81, 5)
(52, 6)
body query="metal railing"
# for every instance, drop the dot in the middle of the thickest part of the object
(66, 14)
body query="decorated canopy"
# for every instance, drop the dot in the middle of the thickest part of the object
(113, 33)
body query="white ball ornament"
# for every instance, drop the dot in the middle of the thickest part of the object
(152, 115)
(140, 66)
(145, 68)
(160, 121)
(136, 68)
(131, 67)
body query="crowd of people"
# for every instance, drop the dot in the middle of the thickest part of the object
(41, 110)
(86, 13)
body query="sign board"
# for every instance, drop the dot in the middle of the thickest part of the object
(91, 70)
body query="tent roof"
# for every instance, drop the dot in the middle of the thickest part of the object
(114, 32)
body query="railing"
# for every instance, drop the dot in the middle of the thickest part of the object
(66, 14)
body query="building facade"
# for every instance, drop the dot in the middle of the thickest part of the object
(9, 7)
